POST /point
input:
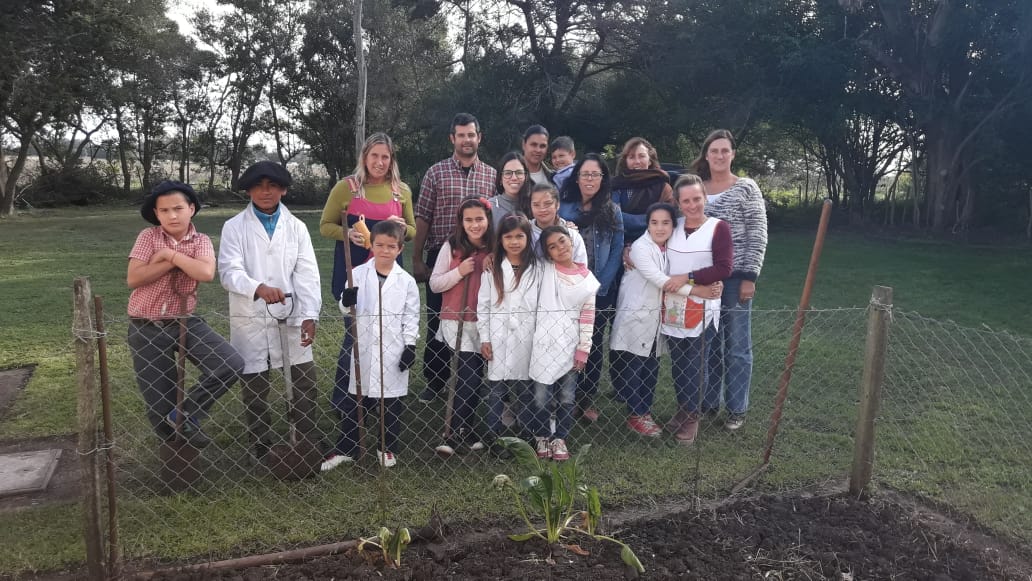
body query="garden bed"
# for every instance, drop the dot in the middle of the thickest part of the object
(771, 537)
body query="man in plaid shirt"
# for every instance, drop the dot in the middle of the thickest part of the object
(444, 186)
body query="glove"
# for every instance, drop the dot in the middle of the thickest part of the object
(408, 357)
(349, 297)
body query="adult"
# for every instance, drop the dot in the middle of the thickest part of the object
(535, 148)
(446, 184)
(639, 182)
(739, 202)
(512, 190)
(375, 193)
(699, 254)
(564, 157)
(586, 202)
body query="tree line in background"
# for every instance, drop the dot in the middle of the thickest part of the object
(904, 112)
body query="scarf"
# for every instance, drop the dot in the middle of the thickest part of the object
(637, 189)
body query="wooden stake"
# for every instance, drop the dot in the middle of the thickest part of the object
(83, 334)
(114, 557)
(878, 318)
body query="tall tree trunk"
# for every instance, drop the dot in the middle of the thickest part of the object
(9, 178)
(123, 156)
(943, 139)
(360, 61)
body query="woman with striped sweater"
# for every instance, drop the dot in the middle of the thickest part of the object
(739, 202)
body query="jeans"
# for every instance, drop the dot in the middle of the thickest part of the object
(498, 394)
(436, 354)
(735, 368)
(587, 385)
(343, 376)
(689, 372)
(467, 396)
(153, 348)
(564, 391)
(636, 380)
(348, 444)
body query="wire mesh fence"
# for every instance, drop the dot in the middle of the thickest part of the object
(956, 403)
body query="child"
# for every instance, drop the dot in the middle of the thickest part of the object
(165, 265)
(506, 308)
(564, 157)
(635, 341)
(544, 205)
(387, 309)
(457, 276)
(265, 253)
(562, 338)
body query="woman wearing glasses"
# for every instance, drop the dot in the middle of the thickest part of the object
(587, 202)
(512, 188)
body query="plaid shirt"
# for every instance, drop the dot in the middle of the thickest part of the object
(444, 188)
(161, 298)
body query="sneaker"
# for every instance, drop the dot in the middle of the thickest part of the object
(387, 459)
(675, 423)
(735, 422)
(644, 426)
(445, 450)
(544, 451)
(689, 430)
(333, 460)
(559, 451)
(591, 415)
(190, 430)
(476, 446)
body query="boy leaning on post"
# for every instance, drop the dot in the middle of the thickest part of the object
(165, 265)
(266, 253)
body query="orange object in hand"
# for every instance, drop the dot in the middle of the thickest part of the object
(362, 229)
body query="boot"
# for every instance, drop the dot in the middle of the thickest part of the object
(689, 430)
(674, 425)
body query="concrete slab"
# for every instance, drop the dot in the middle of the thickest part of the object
(24, 472)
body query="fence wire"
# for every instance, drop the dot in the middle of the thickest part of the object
(955, 404)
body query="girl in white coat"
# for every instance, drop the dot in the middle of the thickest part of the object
(506, 309)
(387, 320)
(457, 276)
(635, 340)
(562, 339)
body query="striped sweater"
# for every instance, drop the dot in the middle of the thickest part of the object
(743, 208)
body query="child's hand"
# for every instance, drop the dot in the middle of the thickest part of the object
(578, 366)
(488, 262)
(486, 352)
(408, 357)
(165, 254)
(307, 332)
(467, 266)
(270, 294)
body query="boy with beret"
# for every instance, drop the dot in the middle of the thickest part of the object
(165, 265)
(264, 254)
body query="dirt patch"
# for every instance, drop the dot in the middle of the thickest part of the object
(64, 484)
(12, 381)
(818, 537)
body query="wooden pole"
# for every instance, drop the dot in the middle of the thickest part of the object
(114, 558)
(878, 318)
(83, 334)
(257, 560)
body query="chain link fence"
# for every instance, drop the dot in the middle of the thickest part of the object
(955, 408)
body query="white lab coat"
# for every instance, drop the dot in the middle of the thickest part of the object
(640, 300)
(248, 258)
(400, 327)
(557, 326)
(508, 326)
(688, 253)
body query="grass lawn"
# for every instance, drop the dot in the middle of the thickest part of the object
(955, 413)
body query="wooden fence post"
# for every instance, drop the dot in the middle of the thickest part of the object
(84, 335)
(878, 319)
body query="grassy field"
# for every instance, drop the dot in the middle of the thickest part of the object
(954, 424)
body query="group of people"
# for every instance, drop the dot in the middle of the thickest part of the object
(527, 266)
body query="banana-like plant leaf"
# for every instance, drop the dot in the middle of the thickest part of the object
(628, 557)
(594, 509)
(524, 453)
(522, 537)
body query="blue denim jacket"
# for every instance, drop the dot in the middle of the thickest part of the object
(608, 247)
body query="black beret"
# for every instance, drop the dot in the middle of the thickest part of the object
(264, 169)
(147, 210)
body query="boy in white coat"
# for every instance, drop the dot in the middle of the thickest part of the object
(386, 301)
(264, 254)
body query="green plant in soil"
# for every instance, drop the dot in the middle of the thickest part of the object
(553, 490)
(391, 544)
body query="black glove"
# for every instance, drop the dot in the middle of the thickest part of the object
(408, 357)
(349, 297)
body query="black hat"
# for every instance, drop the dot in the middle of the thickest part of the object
(147, 210)
(264, 169)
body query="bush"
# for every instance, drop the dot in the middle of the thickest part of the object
(78, 186)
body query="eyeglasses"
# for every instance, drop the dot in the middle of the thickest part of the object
(513, 173)
(590, 175)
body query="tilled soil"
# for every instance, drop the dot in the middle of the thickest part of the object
(831, 537)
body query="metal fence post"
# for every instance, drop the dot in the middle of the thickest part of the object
(878, 318)
(85, 347)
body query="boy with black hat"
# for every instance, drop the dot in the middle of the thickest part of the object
(264, 254)
(165, 265)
